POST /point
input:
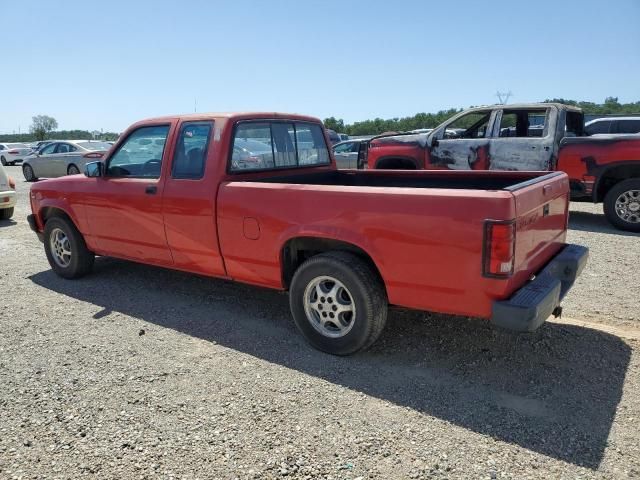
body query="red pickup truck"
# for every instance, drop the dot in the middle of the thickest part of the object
(540, 136)
(257, 198)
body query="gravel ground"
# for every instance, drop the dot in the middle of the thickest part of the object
(140, 372)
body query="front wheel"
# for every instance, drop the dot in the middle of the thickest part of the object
(3, 161)
(338, 303)
(622, 205)
(27, 171)
(66, 250)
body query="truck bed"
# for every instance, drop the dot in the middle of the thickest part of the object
(424, 230)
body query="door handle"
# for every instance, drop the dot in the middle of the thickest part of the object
(151, 190)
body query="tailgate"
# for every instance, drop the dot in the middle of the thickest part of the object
(542, 208)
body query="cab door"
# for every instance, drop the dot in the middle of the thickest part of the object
(463, 143)
(189, 200)
(524, 139)
(124, 207)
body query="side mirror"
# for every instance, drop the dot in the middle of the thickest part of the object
(94, 169)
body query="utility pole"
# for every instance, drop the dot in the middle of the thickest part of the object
(195, 105)
(503, 97)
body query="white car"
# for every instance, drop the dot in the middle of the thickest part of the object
(12, 153)
(613, 126)
(62, 157)
(7, 195)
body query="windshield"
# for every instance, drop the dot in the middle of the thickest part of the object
(98, 146)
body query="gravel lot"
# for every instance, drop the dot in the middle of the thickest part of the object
(140, 372)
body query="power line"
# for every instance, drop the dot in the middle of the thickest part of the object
(503, 97)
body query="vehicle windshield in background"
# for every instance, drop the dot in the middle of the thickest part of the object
(97, 146)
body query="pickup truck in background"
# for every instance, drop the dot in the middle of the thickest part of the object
(257, 198)
(527, 137)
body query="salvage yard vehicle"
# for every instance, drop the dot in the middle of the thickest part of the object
(12, 153)
(344, 244)
(540, 136)
(64, 157)
(7, 195)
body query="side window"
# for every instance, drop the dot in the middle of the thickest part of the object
(629, 126)
(252, 149)
(49, 149)
(598, 127)
(191, 150)
(343, 148)
(312, 148)
(523, 123)
(1, 147)
(141, 153)
(268, 145)
(65, 148)
(471, 125)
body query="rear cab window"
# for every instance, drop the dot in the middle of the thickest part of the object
(277, 144)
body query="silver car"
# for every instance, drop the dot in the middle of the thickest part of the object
(62, 157)
(12, 153)
(349, 154)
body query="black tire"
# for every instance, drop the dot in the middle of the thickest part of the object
(3, 161)
(618, 221)
(81, 261)
(363, 286)
(27, 171)
(72, 170)
(6, 213)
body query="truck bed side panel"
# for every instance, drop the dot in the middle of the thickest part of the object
(427, 244)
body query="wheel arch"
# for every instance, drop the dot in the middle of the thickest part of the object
(298, 249)
(396, 162)
(612, 175)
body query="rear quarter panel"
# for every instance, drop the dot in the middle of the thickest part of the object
(426, 243)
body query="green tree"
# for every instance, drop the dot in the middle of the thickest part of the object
(334, 124)
(42, 125)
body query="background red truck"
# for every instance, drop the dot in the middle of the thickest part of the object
(257, 198)
(541, 136)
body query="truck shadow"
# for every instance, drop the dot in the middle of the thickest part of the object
(595, 222)
(554, 392)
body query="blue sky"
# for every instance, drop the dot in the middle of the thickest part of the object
(106, 64)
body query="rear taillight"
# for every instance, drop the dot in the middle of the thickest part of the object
(12, 183)
(14, 152)
(499, 248)
(93, 155)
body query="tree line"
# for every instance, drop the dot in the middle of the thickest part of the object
(611, 106)
(44, 127)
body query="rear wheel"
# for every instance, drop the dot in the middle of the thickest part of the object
(27, 171)
(6, 213)
(73, 170)
(338, 303)
(622, 205)
(66, 250)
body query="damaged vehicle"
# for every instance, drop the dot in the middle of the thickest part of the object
(527, 137)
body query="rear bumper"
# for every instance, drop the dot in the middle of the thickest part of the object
(529, 307)
(31, 220)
